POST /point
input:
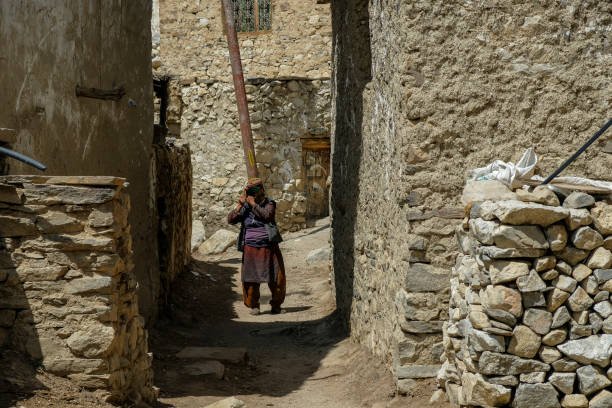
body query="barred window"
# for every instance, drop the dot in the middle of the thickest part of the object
(252, 15)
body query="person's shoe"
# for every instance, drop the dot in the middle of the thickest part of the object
(275, 310)
(254, 311)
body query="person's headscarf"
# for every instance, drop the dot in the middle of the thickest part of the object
(253, 186)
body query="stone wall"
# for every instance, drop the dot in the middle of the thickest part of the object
(530, 314)
(173, 194)
(283, 113)
(67, 288)
(193, 43)
(56, 45)
(422, 93)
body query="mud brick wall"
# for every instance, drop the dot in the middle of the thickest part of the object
(530, 314)
(173, 194)
(67, 288)
(423, 92)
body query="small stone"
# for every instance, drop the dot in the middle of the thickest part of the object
(415, 326)
(417, 371)
(581, 272)
(579, 300)
(565, 283)
(549, 354)
(491, 363)
(607, 325)
(205, 368)
(590, 380)
(586, 238)
(601, 258)
(503, 298)
(477, 391)
(536, 396)
(575, 401)
(602, 275)
(564, 268)
(595, 349)
(498, 331)
(439, 396)
(590, 285)
(601, 296)
(555, 337)
(550, 275)
(323, 255)
(557, 237)
(507, 271)
(533, 378)
(231, 402)
(482, 341)
(479, 320)
(99, 285)
(608, 243)
(538, 320)
(502, 316)
(578, 199)
(578, 330)
(581, 317)
(483, 230)
(530, 283)
(602, 218)
(198, 234)
(520, 236)
(572, 255)
(560, 317)
(564, 382)
(555, 299)
(540, 194)
(578, 218)
(565, 365)
(601, 400)
(544, 263)
(524, 342)
(506, 380)
(520, 213)
(501, 325)
(494, 252)
(533, 299)
(596, 322)
(603, 308)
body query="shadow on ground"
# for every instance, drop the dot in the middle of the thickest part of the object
(282, 354)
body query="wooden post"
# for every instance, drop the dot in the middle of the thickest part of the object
(243, 109)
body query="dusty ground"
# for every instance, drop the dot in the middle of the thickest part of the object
(299, 358)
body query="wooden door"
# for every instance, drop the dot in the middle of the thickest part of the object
(315, 170)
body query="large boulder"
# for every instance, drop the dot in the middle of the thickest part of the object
(198, 234)
(218, 242)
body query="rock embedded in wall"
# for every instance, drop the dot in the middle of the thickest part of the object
(556, 349)
(67, 290)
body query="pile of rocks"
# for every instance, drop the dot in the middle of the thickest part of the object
(530, 317)
(67, 292)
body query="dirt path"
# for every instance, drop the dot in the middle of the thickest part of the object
(296, 359)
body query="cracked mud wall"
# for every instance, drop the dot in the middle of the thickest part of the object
(454, 86)
(50, 47)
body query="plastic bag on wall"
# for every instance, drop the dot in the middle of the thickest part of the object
(508, 173)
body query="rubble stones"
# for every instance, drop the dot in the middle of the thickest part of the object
(505, 364)
(507, 271)
(503, 298)
(538, 320)
(602, 218)
(564, 382)
(572, 255)
(557, 237)
(596, 349)
(540, 194)
(530, 283)
(477, 391)
(555, 337)
(581, 272)
(519, 213)
(575, 401)
(591, 380)
(578, 199)
(485, 190)
(601, 258)
(524, 342)
(601, 400)
(544, 263)
(579, 300)
(556, 298)
(536, 396)
(578, 218)
(586, 238)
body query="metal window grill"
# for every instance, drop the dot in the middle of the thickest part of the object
(252, 15)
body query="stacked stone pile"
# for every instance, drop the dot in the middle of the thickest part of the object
(530, 315)
(67, 292)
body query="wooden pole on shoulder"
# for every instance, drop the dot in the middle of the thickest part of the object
(243, 109)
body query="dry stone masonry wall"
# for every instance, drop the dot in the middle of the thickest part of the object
(67, 288)
(530, 317)
(423, 92)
